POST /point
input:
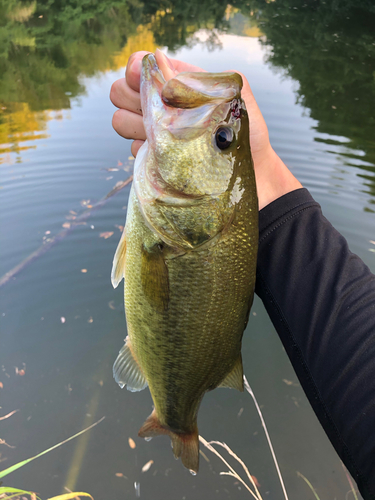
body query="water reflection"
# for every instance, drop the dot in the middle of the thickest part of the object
(331, 54)
(46, 48)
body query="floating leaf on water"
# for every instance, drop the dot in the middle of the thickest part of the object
(1, 385)
(89, 206)
(62, 319)
(47, 232)
(111, 305)
(121, 228)
(66, 225)
(119, 163)
(113, 169)
(147, 466)
(90, 320)
(106, 234)
(132, 443)
(84, 203)
(101, 383)
(119, 474)
(2, 441)
(83, 270)
(9, 414)
(290, 382)
(72, 212)
(21, 372)
(257, 484)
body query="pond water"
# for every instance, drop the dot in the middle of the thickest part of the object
(311, 68)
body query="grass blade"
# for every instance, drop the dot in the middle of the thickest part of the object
(250, 391)
(24, 462)
(72, 495)
(309, 485)
(350, 481)
(231, 471)
(5, 490)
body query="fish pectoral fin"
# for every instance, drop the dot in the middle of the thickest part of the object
(118, 266)
(234, 379)
(185, 444)
(154, 277)
(126, 370)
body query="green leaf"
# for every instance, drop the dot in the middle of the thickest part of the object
(24, 462)
(16, 492)
(69, 496)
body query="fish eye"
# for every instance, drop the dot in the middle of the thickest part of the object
(224, 137)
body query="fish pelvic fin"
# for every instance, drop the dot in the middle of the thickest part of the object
(234, 379)
(185, 445)
(126, 370)
(118, 266)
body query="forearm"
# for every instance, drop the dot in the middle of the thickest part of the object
(321, 299)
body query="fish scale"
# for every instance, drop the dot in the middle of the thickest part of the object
(189, 263)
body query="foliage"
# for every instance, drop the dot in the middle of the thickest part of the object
(47, 44)
(173, 22)
(7, 492)
(328, 47)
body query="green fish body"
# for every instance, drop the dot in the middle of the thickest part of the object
(188, 252)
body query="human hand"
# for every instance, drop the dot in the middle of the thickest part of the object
(272, 176)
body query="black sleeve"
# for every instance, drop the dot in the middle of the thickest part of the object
(321, 300)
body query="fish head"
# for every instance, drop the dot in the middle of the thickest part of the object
(197, 131)
(196, 124)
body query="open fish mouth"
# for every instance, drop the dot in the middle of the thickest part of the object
(186, 101)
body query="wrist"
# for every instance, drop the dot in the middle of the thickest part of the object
(273, 179)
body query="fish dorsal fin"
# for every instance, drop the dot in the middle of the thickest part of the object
(118, 266)
(234, 379)
(154, 277)
(126, 370)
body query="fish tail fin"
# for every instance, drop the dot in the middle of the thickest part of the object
(185, 444)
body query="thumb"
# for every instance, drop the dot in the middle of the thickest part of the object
(165, 65)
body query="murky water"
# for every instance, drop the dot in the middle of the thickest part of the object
(311, 69)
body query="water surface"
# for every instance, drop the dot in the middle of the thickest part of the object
(311, 69)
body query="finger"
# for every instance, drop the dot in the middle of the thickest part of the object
(128, 124)
(248, 96)
(122, 96)
(183, 66)
(133, 69)
(136, 146)
(165, 65)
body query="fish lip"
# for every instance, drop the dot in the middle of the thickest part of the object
(189, 90)
(150, 69)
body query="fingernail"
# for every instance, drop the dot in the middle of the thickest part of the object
(168, 61)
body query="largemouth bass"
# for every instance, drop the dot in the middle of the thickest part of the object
(188, 251)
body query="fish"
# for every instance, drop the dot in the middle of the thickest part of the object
(188, 250)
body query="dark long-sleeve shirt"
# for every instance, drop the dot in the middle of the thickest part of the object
(321, 300)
